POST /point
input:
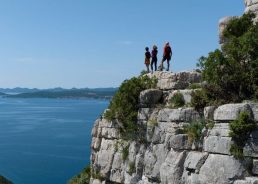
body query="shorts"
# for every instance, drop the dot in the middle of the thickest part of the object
(147, 61)
(168, 58)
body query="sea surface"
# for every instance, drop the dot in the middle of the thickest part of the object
(46, 141)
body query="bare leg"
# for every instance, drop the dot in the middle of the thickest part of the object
(147, 66)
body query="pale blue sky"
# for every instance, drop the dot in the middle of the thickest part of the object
(100, 43)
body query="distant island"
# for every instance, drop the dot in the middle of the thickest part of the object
(97, 93)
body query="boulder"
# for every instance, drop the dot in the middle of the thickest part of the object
(150, 97)
(220, 169)
(194, 161)
(172, 169)
(217, 144)
(231, 112)
(181, 80)
(218, 140)
(117, 171)
(220, 129)
(255, 167)
(180, 142)
(153, 159)
(104, 157)
(178, 115)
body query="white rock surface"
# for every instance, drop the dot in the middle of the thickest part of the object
(230, 112)
(220, 169)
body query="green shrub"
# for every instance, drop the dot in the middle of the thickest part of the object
(125, 152)
(131, 168)
(124, 105)
(83, 177)
(143, 72)
(177, 100)
(194, 130)
(237, 151)
(232, 71)
(153, 122)
(210, 124)
(199, 100)
(195, 86)
(240, 130)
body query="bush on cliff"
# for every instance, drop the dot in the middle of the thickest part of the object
(125, 103)
(240, 130)
(83, 177)
(177, 100)
(194, 130)
(231, 73)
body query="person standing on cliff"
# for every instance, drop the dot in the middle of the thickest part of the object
(154, 58)
(167, 54)
(147, 58)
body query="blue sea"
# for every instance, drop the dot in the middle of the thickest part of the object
(46, 141)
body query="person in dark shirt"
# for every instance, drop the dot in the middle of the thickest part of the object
(147, 58)
(167, 54)
(154, 58)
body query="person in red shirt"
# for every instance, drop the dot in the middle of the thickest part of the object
(167, 54)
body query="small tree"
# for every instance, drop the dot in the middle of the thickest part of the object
(231, 73)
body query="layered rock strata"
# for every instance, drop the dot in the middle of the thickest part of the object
(168, 155)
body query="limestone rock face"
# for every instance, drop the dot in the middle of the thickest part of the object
(178, 115)
(164, 151)
(218, 140)
(185, 92)
(181, 80)
(172, 169)
(220, 169)
(252, 5)
(150, 97)
(230, 112)
(248, 180)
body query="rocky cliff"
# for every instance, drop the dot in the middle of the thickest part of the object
(168, 155)
(166, 152)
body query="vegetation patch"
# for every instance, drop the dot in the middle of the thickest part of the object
(240, 130)
(194, 86)
(231, 72)
(125, 152)
(132, 168)
(177, 100)
(199, 100)
(124, 106)
(210, 124)
(153, 122)
(194, 130)
(83, 177)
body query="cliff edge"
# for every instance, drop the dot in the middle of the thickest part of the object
(168, 154)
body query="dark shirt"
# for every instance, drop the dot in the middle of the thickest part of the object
(154, 53)
(147, 55)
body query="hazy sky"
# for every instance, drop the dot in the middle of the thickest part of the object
(100, 43)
